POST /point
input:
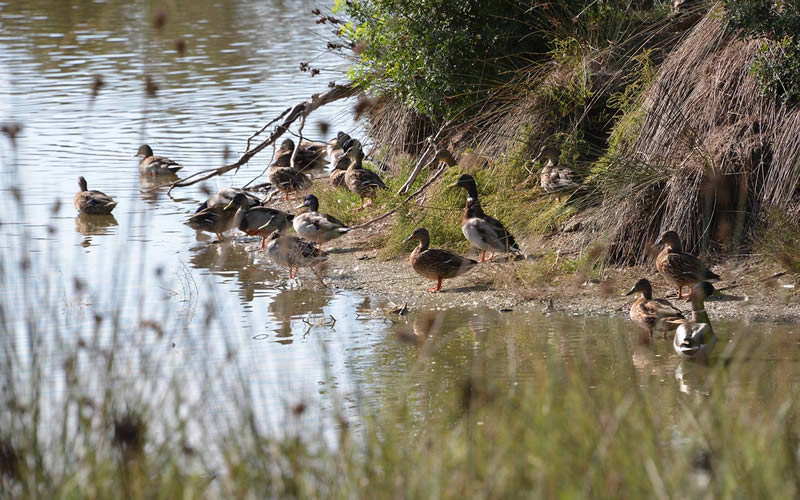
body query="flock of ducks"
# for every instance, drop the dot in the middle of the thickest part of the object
(231, 208)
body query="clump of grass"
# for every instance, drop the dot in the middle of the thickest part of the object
(780, 240)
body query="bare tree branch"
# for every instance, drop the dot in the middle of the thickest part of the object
(301, 109)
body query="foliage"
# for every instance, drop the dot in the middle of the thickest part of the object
(777, 66)
(444, 58)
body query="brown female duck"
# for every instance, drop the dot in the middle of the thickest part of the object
(284, 177)
(365, 183)
(553, 178)
(155, 165)
(681, 269)
(257, 221)
(650, 313)
(342, 162)
(293, 252)
(436, 263)
(92, 202)
(308, 157)
(482, 231)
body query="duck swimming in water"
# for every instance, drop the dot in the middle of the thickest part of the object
(652, 314)
(92, 202)
(155, 165)
(695, 339)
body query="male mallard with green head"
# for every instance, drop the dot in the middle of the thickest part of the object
(315, 226)
(650, 313)
(681, 269)
(436, 263)
(92, 202)
(553, 178)
(155, 165)
(482, 231)
(257, 221)
(365, 183)
(695, 339)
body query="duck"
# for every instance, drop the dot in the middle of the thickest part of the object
(336, 146)
(652, 314)
(365, 183)
(293, 252)
(225, 196)
(310, 155)
(695, 338)
(436, 263)
(342, 163)
(257, 221)
(555, 179)
(482, 231)
(679, 268)
(214, 219)
(92, 202)
(315, 226)
(155, 165)
(285, 178)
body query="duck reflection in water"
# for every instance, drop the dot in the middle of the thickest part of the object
(231, 259)
(149, 187)
(89, 224)
(297, 305)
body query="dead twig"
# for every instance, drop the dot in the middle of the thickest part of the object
(299, 110)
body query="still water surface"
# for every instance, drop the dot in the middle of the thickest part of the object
(293, 341)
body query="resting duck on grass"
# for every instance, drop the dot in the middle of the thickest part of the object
(293, 252)
(679, 268)
(555, 179)
(315, 226)
(257, 221)
(650, 313)
(365, 183)
(310, 155)
(92, 202)
(482, 231)
(342, 162)
(695, 339)
(436, 263)
(155, 165)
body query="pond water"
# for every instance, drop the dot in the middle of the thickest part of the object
(143, 266)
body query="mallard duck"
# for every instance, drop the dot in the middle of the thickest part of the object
(695, 339)
(650, 313)
(315, 226)
(292, 252)
(365, 183)
(336, 147)
(286, 178)
(225, 196)
(214, 219)
(257, 221)
(680, 268)
(92, 202)
(155, 165)
(555, 179)
(342, 163)
(482, 231)
(308, 157)
(436, 263)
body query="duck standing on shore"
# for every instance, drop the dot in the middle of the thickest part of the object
(695, 339)
(554, 178)
(92, 202)
(285, 178)
(292, 252)
(257, 221)
(482, 231)
(315, 226)
(155, 165)
(436, 263)
(365, 183)
(310, 155)
(225, 196)
(650, 313)
(342, 162)
(679, 268)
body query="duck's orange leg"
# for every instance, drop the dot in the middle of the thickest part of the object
(437, 287)
(483, 256)
(680, 292)
(263, 242)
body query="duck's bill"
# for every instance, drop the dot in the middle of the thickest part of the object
(630, 292)
(229, 205)
(302, 205)
(407, 239)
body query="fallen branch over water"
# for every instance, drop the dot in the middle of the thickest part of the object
(299, 110)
